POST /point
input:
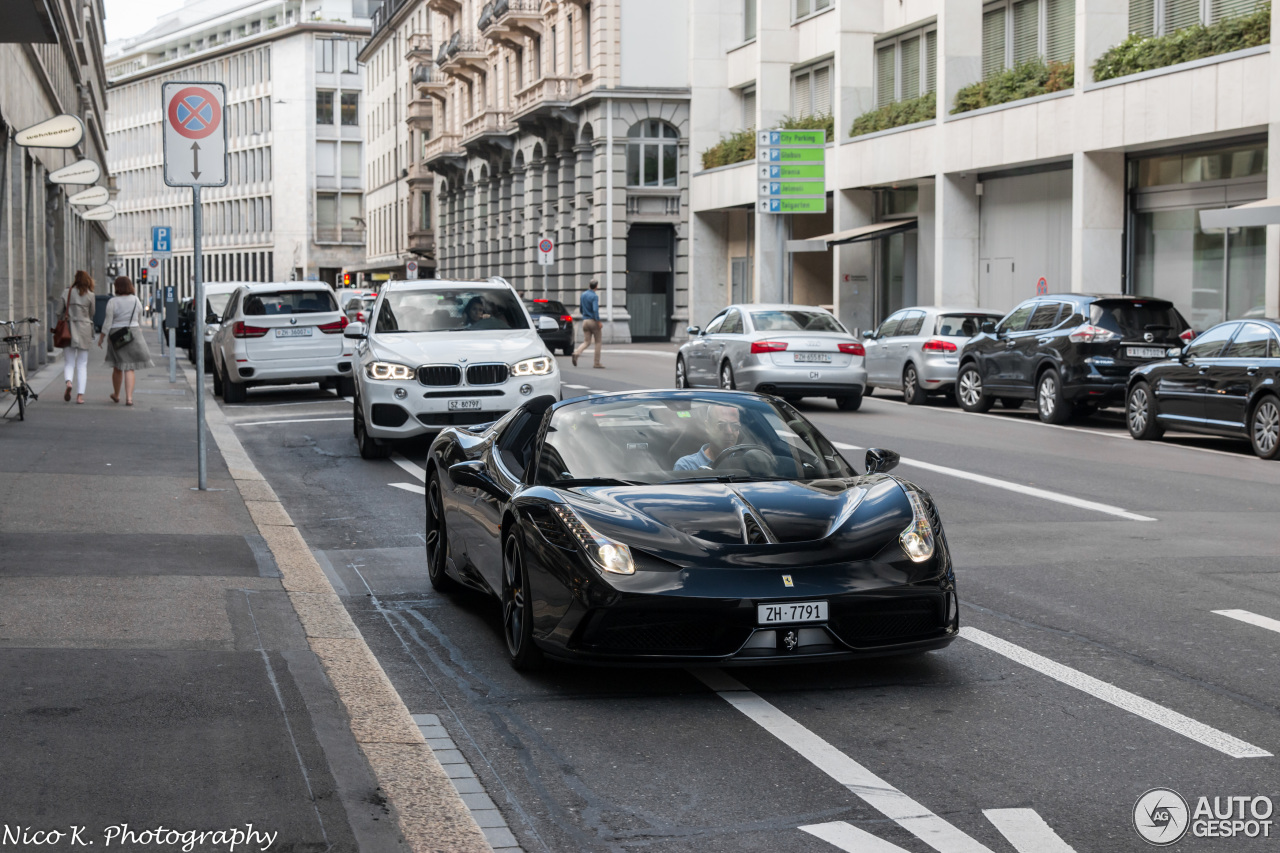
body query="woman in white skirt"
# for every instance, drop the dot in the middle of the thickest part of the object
(124, 311)
(79, 307)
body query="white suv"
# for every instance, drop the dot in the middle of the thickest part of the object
(444, 353)
(281, 334)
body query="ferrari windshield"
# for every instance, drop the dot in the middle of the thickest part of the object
(450, 310)
(684, 436)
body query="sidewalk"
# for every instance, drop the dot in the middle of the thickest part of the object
(176, 659)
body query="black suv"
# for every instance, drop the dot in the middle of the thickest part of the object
(1070, 352)
(545, 312)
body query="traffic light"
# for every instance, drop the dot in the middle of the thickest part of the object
(346, 279)
(142, 276)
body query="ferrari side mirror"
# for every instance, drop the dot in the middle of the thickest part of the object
(880, 461)
(472, 475)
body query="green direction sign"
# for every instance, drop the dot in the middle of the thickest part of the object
(793, 187)
(792, 137)
(792, 155)
(793, 205)
(780, 171)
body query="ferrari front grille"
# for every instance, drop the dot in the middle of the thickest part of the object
(888, 621)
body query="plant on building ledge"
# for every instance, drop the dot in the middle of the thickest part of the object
(825, 122)
(734, 148)
(896, 114)
(1026, 80)
(1137, 54)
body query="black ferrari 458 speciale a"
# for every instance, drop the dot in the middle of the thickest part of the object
(685, 527)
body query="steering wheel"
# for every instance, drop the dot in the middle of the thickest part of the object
(730, 451)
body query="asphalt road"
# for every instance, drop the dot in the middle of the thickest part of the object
(1093, 665)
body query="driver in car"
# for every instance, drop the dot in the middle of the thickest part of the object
(724, 428)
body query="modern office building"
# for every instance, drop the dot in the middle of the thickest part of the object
(565, 120)
(397, 122)
(1001, 149)
(294, 204)
(50, 65)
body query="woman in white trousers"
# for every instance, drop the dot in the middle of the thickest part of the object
(80, 305)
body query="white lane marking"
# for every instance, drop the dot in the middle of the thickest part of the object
(1027, 831)
(598, 391)
(412, 467)
(409, 487)
(1122, 699)
(1252, 618)
(1031, 491)
(1034, 421)
(574, 387)
(657, 352)
(876, 792)
(849, 838)
(291, 421)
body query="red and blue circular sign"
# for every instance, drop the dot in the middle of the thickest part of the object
(545, 246)
(194, 112)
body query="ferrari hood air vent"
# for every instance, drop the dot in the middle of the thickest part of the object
(752, 532)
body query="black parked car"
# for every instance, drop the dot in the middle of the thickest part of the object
(685, 526)
(1070, 352)
(545, 312)
(1226, 382)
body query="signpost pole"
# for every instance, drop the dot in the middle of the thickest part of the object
(197, 340)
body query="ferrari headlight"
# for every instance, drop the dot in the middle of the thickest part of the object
(539, 366)
(917, 539)
(388, 370)
(609, 555)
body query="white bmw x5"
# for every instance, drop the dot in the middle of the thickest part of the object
(444, 353)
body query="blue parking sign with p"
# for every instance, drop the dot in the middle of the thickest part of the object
(161, 236)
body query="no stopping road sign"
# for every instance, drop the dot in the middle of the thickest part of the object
(195, 134)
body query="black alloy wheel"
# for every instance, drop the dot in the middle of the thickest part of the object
(969, 390)
(726, 377)
(437, 538)
(345, 386)
(369, 447)
(1140, 413)
(231, 392)
(682, 377)
(217, 381)
(1053, 408)
(849, 402)
(912, 393)
(208, 357)
(1264, 427)
(517, 608)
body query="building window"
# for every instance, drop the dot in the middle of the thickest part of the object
(350, 109)
(748, 20)
(324, 107)
(350, 162)
(749, 107)
(906, 66)
(425, 214)
(555, 50)
(326, 157)
(586, 36)
(1028, 30)
(352, 65)
(324, 56)
(653, 155)
(811, 91)
(1160, 17)
(810, 7)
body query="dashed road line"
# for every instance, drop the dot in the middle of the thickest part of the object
(409, 487)
(1122, 699)
(1251, 618)
(574, 387)
(289, 421)
(850, 839)
(1027, 831)
(412, 467)
(1030, 491)
(876, 792)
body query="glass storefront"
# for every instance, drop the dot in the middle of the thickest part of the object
(897, 253)
(1209, 275)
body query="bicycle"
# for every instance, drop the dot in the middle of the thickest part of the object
(16, 342)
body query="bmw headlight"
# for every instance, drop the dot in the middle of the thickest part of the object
(917, 539)
(388, 370)
(609, 555)
(539, 366)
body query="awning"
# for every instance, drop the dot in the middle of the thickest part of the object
(853, 235)
(1265, 212)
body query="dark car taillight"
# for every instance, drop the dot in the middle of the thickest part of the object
(938, 345)
(334, 327)
(565, 318)
(241, 330)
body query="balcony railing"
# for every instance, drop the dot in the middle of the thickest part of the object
(418, 113)
(422, 240)
(513, 20)
(445, 7)
(460, 52)
(441, 146)
(487, 121)
(335, 234)
(547, 91)
(486, 17)
(418, 46)
(418, 171)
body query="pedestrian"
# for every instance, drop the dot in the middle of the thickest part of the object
(126, 349)
(79, 306)
(590, 305)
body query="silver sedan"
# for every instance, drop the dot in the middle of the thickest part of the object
(792, 351)
(916, 350)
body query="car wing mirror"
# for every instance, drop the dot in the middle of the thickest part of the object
(868, 333)
(472, 475)
(694, 331)
(988, 328)
(1175, 352)
(355, 330)
(881, 461)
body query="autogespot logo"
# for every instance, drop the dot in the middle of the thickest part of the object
(1161, 817)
